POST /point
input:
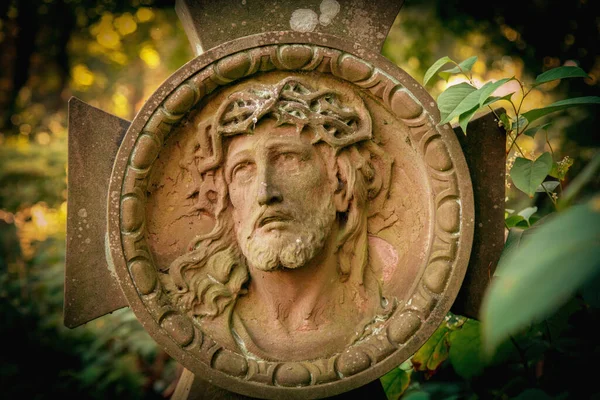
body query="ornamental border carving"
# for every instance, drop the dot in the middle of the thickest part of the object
(410, 325)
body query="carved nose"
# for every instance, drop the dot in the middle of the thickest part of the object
(268, 193)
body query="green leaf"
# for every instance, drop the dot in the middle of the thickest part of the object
(489, 88)
(435, 68)
(465, 118)
(520, 123)
(527, 175)
(526, 213)
(548, 186)
(534, 114)
(449, 99)
(512, 221)
(395, 383)
(542, 273)
(559, 169)
(464, 66)
(560, 73)
(439, 354)
(470, 101)
(420, 395)
(465, 353)
(506, 121)
(532, 131)
(431, 355)
(513, 240)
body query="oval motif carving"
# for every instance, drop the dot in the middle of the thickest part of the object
(230, 363)
(234, 67)
(179, 328)
(353, 69)
(449, 215)
(143, 275)
(145, 152)
(181, 100)
(353, 361)
(404, 106)
(403, 326)
(131, 214)
(292, 374)
(436, 275)
(294, 56)
(436, 155)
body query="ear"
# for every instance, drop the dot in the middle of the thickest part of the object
(341, 196)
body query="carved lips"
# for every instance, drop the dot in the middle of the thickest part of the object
(272, 219)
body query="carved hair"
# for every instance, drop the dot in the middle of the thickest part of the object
(212, 274)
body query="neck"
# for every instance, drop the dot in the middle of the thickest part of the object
(299, 297)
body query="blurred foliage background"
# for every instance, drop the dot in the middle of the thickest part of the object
(113, 54)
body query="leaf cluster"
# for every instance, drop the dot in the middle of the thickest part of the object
(544, 293)
(464, 100)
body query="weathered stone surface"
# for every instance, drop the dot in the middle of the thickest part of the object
(484, 151)
(211, 23)
(90, 288)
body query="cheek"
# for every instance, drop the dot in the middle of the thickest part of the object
(314, 182)
(236, 197)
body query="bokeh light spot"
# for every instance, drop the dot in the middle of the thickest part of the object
(125, 24)
(150, 56)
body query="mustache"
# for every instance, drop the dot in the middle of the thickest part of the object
(266, 213)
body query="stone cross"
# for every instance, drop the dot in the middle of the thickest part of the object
(284, 215)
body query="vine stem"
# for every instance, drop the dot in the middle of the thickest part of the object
(517, 111)
(552, 152)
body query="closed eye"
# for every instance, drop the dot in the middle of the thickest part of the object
(242, 171)
(289, 156)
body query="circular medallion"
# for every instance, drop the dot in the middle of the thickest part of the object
(287, 219)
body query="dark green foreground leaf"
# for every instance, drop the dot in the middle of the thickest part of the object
(542, 273)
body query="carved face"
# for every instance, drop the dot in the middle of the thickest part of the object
(282, 196)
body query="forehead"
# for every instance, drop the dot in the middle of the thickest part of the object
(268, 135)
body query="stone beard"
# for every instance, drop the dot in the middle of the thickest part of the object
(288, 249)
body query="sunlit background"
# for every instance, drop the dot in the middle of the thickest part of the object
(113, 55)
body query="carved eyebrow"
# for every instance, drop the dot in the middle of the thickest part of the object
(285, 145)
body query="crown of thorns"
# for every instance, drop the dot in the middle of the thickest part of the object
(290, 101)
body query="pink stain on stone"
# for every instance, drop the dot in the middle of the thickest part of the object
(387, 253)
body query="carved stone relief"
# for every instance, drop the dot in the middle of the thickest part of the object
(288, 217)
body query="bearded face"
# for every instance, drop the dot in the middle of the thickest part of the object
(290, 245)
(281, 195)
